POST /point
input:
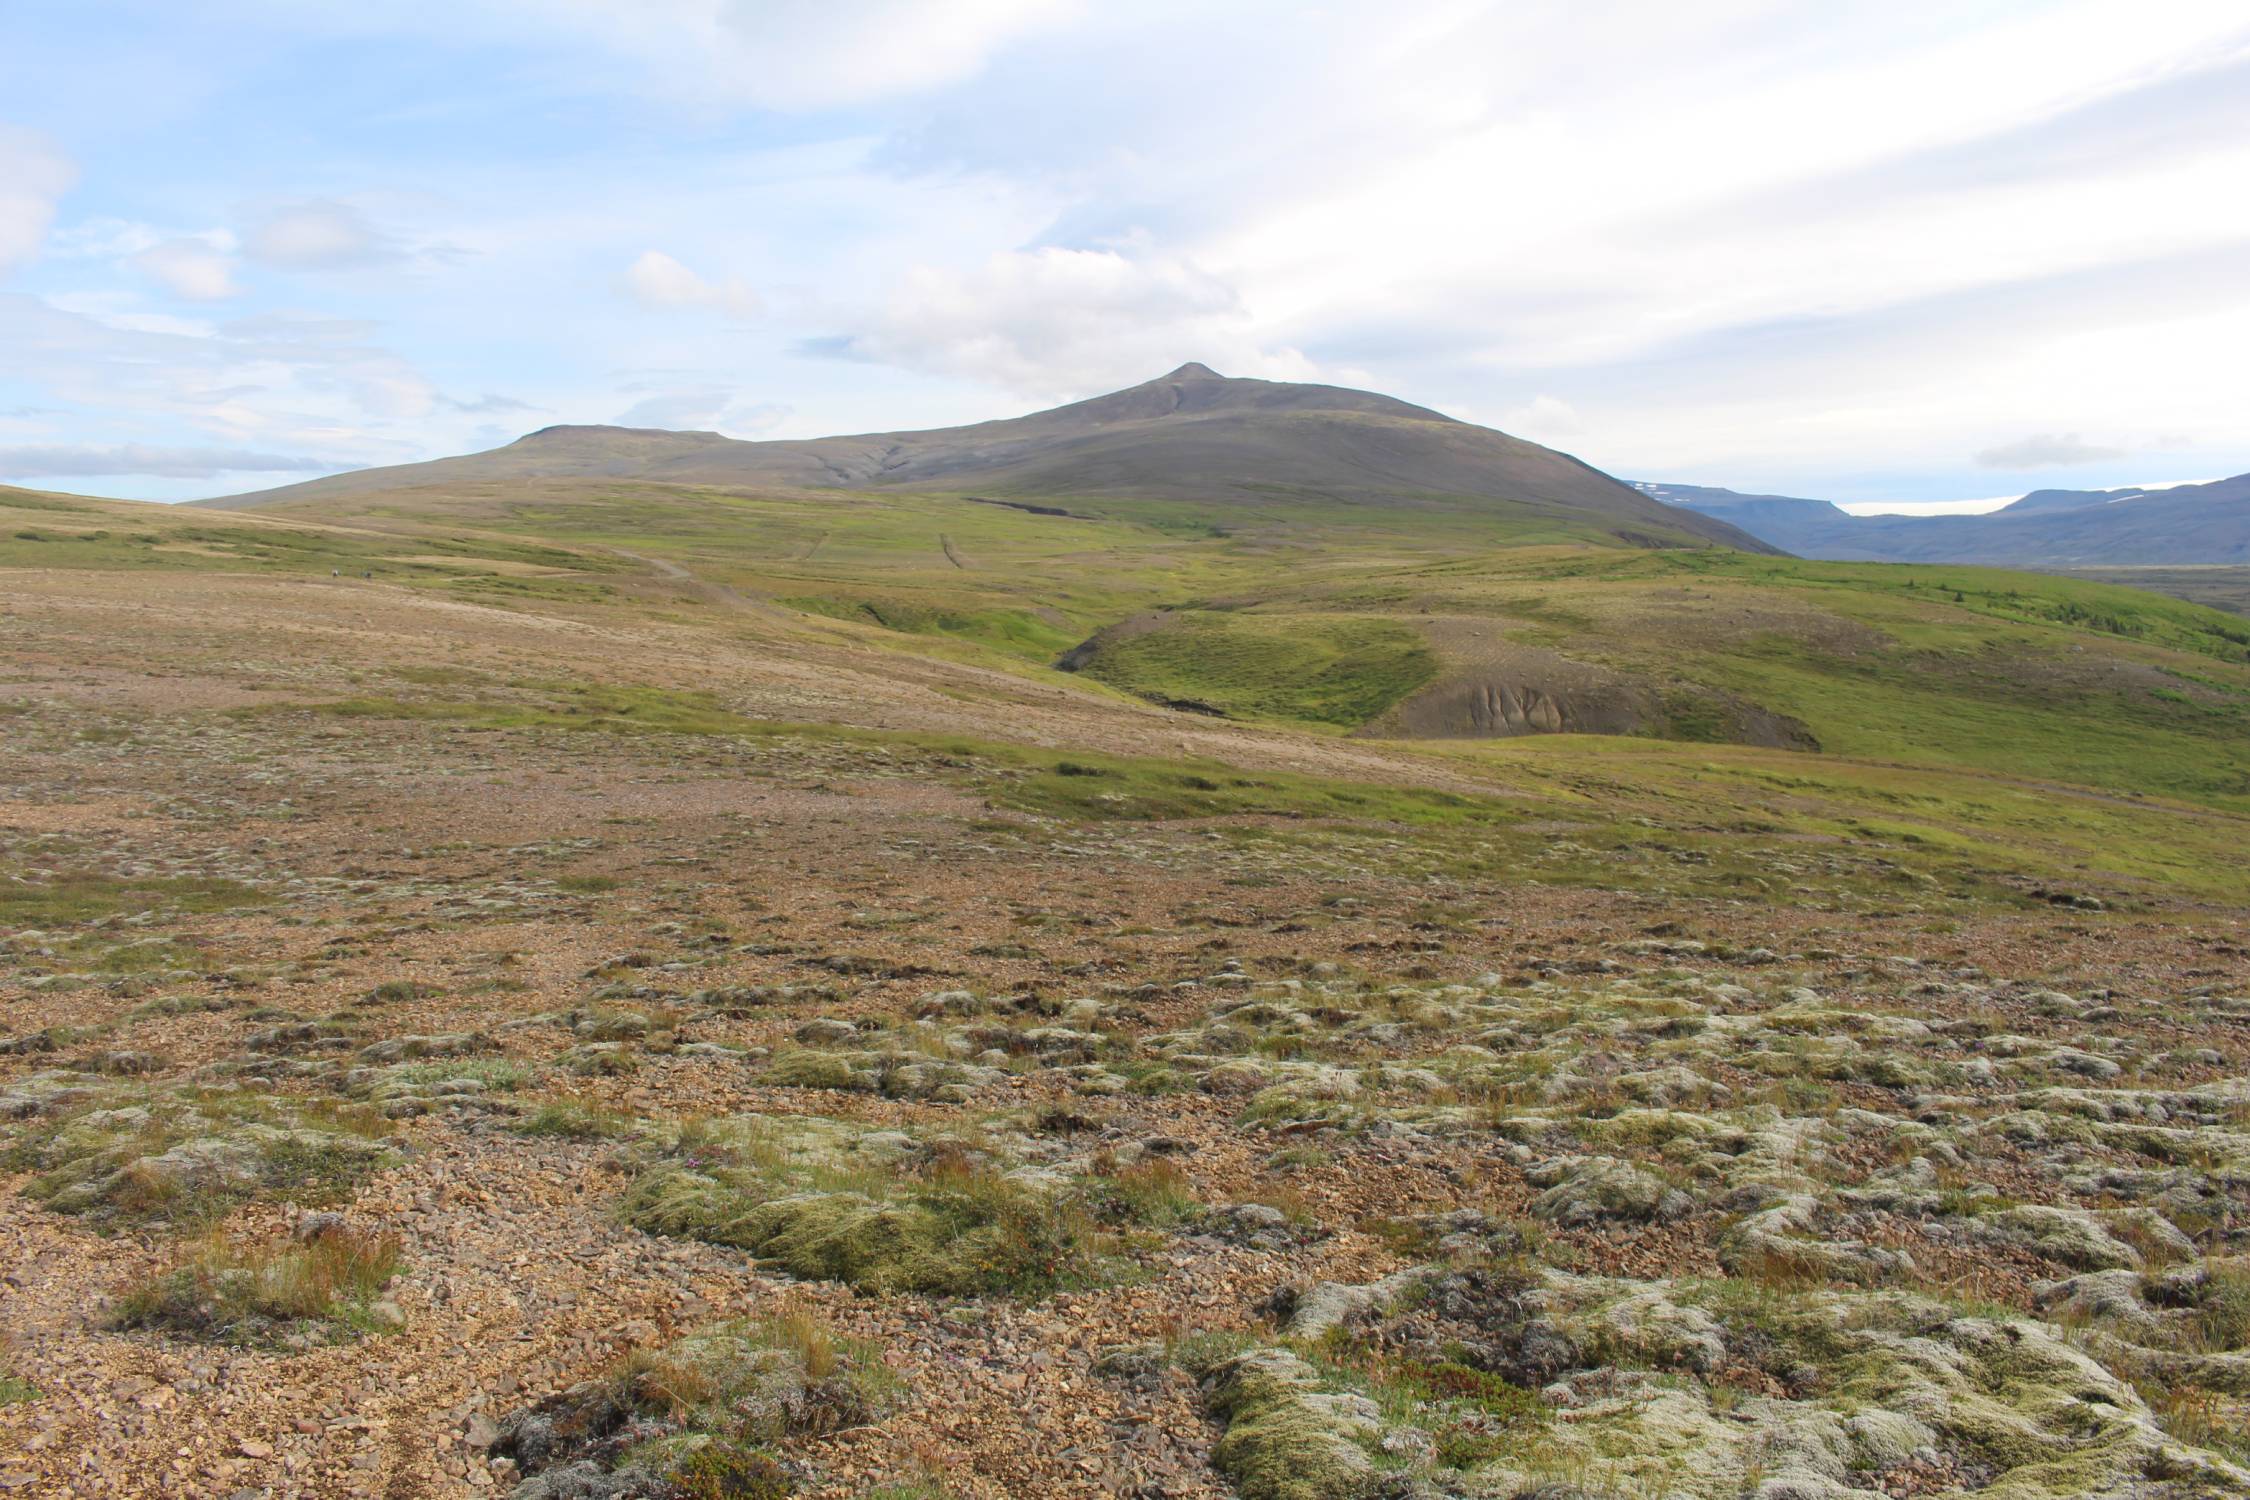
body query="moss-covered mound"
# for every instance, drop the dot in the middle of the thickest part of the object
(182, 1155)
(879, 1210)
(710, 1414)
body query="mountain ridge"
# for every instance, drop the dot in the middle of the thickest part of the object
(2200, 524)
(2053, 500)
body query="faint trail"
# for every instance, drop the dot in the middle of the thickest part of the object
(701, 588)
(818, 543)
(951, 556)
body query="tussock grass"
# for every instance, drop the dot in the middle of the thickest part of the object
(948, 1223)
(236, 1292)
(2204, 1418)
(2221, 1322)
(185, 1156)
(574, 1120)
(706, 1415)
(1155, 1192)
(14, 1389)
(68, 898)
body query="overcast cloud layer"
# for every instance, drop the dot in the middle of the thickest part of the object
(1905, 252)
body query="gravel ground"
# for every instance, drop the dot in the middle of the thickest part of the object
(508, 881)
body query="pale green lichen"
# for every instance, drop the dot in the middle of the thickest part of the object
(186, 1155)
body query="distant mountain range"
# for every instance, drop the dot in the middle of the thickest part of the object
(1256, 451)
(2189, 524)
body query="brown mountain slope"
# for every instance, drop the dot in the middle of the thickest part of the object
(1191, 436)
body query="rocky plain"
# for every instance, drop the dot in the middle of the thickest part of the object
(803, 1102)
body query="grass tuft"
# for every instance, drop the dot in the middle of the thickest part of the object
(233, 1292)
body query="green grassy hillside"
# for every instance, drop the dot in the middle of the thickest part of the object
(1336, 619)
(2019, 726)
(1341, 670)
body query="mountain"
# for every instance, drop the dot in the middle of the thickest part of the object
(1808, 528)
(2047, 500)
(2186, 525)
(1240, 449)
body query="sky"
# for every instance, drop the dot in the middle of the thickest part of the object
(1902, 253)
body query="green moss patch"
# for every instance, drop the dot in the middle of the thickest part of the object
(1327, 669)
(65, 898)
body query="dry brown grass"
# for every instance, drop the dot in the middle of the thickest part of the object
(233, 1291)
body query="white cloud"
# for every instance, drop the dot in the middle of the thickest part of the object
(272, 382)
(804, 54)
(1478, 228)
(792, 55)
(318, 235)
(785, 55)
(489, 405)
(657, 280)
(102, 239)
(190, 268)
(2046, 450)
(1544, 419)
(33, 175)
(1436, 198)
(1983, 507)
(704, 410)
(195, 266)
(64, 460)
(1054, 322)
